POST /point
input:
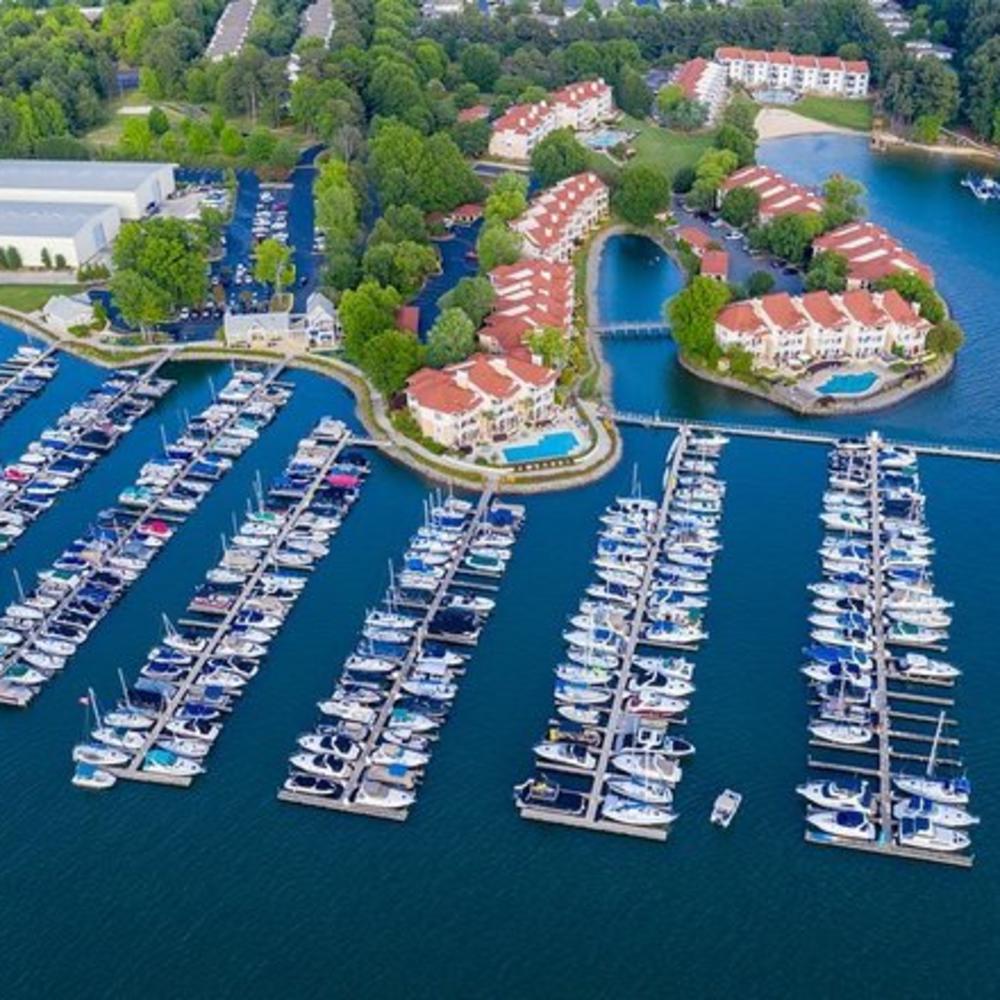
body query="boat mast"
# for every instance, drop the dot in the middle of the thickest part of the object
(932, 759)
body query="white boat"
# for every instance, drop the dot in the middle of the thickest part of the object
(161, 761)
(843, 733)
(837, 793)
(128, 719)
(651, 703)
(653, 792)
(124, 739)
(950, 791)
(921, 667)
(649, 765)
(568, 754)
(634, 813)
(937, 812)
(725, 807)
(851, 824)
(579, 714)
(374, 793)
(928, 836)
(349, 710)
(91, 777)
(390, 754)
(99, 755)
(323, 765)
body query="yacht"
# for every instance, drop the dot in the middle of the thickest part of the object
(99, 755)
(323, 765)
(849, 823)
(92, 777)
(922, 833)
(649, 765)
(635, 813)
(937, 812)
(374, 793)
(843, 733)
(837, 794)
(161, 761)
(949, 791)
(654, 792)
(568, 754)
(310, 784)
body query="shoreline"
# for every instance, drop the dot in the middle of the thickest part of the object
(784, 123)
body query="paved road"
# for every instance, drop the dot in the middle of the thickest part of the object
(317, 20)
(231, 30)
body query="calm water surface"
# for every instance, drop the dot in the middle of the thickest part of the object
(220, 891)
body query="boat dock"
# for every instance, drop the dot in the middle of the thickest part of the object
(63, 454)
(82, 586)
(25, 374)
(383, 761)
(653, 421)
(637, 723)
(898, 738)
(211, 637)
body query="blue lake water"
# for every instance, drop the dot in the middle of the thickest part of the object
(220, 891)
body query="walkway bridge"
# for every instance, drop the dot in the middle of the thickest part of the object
(653, 421)
(653, 329)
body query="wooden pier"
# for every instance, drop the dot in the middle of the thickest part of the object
(345, 802)
(133, 770)
(887, 752)
(19, 697)
(653, 421)
(613, 726)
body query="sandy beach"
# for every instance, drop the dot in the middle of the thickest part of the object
(777, 123)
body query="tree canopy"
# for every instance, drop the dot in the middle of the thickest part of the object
(557, 156)
(643, 192)
(691, 314)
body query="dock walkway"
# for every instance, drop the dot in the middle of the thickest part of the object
(14, 391)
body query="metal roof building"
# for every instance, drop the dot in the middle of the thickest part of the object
(133, 188)
(76, 232)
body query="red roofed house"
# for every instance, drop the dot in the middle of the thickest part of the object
(408, 319)
(715, 264)
(530, 295)
(778, 195)
(872, 254)
(477, 113)
(697, 239)
(779, 330)
(556, 221)
(704, 82)
(580, 106)
(800, 74)
(465, 215)
(520, 128)
(481, 399)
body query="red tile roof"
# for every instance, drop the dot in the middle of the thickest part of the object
(782, 311)
(547, 217)
(574, 94)
(408, 318)
(900, 310)
(528, 371)
(823, 311)
(436, 390)
(783, 58)
(522, 118)
(872, 252)
(715, 264)
(478, 112)
(485, 377)
(695, 238)
(863, 307)
(741, 317)
(688, 76)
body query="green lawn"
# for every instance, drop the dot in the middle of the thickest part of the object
(836, 111)
(28, 298)
(665, 149)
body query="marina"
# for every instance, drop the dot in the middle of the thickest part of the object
(56, 460)
(41, 631)
(24, 375)
(610, 760)
(166, 723)
(370, 749)
(878, 626)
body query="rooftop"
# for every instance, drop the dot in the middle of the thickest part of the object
(38, 218)
(76, 175)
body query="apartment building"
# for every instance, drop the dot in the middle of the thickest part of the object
(872, 253)
(705, 82)
(781, 70)
(560, 218)
(778, 195)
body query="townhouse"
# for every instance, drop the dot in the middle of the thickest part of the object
(780, 331)
(482, 399)
(530, 295)
(828, 75)
(872, 253)
(582, 106)
(704, 81)
(560, 218)
(778, 195)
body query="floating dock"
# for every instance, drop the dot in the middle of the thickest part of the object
(387, 790)
(630, 724)
(24, 375)
(83, 585)
(321, 452)
(62, 455)
(897, 742)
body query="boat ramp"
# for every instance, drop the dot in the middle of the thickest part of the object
(61, 455)
(193, 679)
(611, 741)
(892, 781)
(43, 629)
(370, 749)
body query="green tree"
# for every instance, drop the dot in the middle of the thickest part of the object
(789, 236)
(551, 345)
(272, 263)
(741, 112)
(740, 206)
(914, 289)
(169, 254)
(683, 180)
(691, 314)
(404, 265)
(643, 193)
(136, 139)
(140, 300)
(390, 358)
(945, 338)
(46, 258)
(14, 261)
(159, 123)
(365, 312)
(507, 199)
(927, 129)
(759, 283)
(827, 272)
(497, 245)
(474, 296)
(983, 76)
(480, 65)
(632, 94)
(558, 156)
(731, 138)
(452, 338)
(842, 196)
(231, 141)
(259, 147)
(472, 138)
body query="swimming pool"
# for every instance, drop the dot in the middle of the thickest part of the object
(606, 138)
(851, 384)
(555, 444)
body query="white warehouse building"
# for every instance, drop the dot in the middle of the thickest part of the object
(76, 232)
(133, 188)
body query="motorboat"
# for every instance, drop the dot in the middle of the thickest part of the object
(99, 755)
(375, 793)
(323, 765)
(654, 704)
(725, 807)
(842, 733)
(395, 754)
(543, 793)
(852, 824)
(921, 833)
(161, 761)
(937, 812)
(91, 777)
(568, 754)
(949, 791)
(330, 743)
(342, 708)
(628, 811)
(653, 792)
(310, 784)
(922, 668)
(837, 794)
(647, 764)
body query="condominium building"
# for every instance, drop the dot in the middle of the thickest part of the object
(828, 75)
(705, 82)
(530, 296)
(872, 253)
(579, 106)
(560, 218)
(778, 195)
(482, 399)
(780, 331)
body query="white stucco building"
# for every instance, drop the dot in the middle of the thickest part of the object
(133, 188)
(76, 232)
(800, 74)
